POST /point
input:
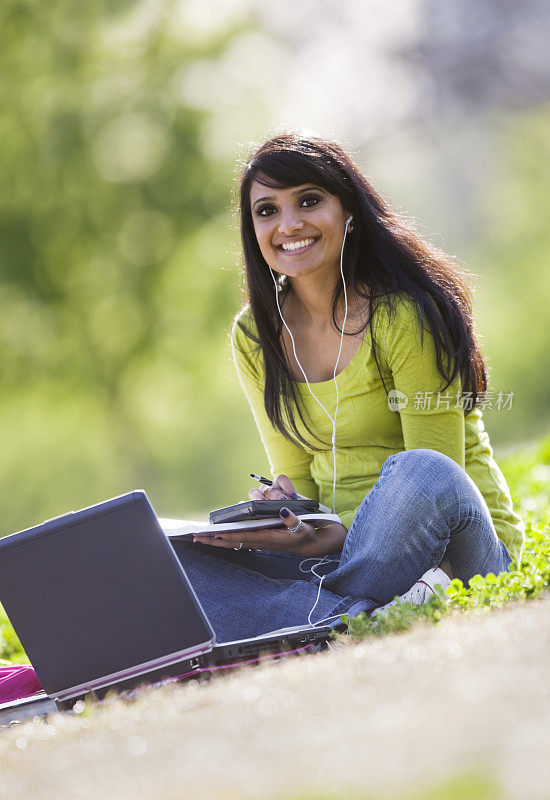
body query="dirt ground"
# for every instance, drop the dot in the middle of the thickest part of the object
(378, 719)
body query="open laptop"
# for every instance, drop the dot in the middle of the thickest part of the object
(100, 601)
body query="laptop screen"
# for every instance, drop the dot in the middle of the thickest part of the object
(98, 592)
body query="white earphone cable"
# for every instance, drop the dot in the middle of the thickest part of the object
(332, 419)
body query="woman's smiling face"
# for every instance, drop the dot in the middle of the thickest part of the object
(300, 229)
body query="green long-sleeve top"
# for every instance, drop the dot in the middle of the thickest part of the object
(368, 431)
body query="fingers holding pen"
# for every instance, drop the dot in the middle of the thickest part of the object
(256, 494)
(276, 491)
(281, 488)
(272, 493)
(286, 486)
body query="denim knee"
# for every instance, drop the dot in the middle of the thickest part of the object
(422, 462)
(422, 457)
(428, 471)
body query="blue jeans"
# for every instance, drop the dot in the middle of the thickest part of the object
(423, 507)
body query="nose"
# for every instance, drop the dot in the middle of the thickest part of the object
(289, 222)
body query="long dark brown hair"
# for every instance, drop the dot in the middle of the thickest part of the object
(383, 257)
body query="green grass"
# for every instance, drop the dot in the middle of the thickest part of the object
(528, 475)
(11, 651)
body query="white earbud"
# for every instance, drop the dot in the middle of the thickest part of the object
(349, 219)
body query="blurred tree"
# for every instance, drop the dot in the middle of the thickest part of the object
(113, 221)
(514, 295)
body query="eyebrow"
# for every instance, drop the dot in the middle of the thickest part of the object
(297, 191)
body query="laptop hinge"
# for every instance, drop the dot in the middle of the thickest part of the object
(132, 672)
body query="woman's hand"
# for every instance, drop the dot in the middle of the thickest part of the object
(267, 538)
(282, 489)
(307, 542)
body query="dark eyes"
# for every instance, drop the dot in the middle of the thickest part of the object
(311, 200)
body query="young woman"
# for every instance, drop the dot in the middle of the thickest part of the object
(357, 354)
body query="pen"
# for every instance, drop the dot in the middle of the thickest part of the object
(267, 482)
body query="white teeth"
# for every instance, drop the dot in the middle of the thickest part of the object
(297, 245)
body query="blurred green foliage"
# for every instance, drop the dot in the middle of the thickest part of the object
(118, 279)
(513, 294)
(119, 268)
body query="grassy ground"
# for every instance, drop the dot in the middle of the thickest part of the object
(452, 711)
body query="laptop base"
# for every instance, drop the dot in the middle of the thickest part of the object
(228, 656)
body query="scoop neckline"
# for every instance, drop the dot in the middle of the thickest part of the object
(342, 378)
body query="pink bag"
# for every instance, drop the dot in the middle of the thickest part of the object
(16, 682)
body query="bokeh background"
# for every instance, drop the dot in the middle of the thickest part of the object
(122, 125)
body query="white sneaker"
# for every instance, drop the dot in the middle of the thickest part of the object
(422, 590)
